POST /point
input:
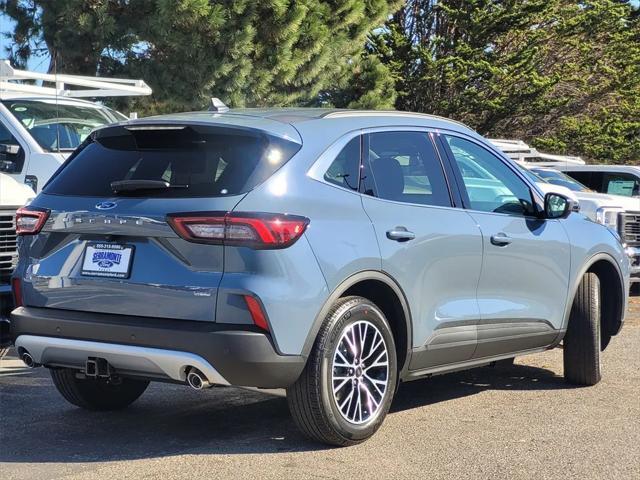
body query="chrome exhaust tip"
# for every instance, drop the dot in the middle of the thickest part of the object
(197, 380)
(28, 360)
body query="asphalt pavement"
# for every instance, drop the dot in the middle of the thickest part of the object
(520, 422)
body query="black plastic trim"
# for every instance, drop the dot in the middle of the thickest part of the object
(243, 354)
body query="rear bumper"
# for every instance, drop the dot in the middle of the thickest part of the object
(232, 354)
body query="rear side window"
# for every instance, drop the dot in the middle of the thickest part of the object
(345, 169)
(192, 161)
(404, 167)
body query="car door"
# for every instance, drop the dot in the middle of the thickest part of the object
(524, 283)
(433, 250)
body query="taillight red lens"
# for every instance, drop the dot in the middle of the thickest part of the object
(256, 230)
(16, 286)
(256, 312)
(30, 221)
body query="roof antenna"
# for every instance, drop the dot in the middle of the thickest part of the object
(216, 105)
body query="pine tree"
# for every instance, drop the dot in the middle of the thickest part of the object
(562, 75)
(248, 53)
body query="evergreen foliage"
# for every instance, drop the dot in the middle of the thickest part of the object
(562, 75)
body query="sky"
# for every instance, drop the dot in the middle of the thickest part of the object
(40, 64)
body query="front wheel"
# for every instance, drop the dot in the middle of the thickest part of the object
(346, 388)
(581, 352)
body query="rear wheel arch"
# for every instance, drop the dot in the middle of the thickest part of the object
(382, 290)
(611, 294)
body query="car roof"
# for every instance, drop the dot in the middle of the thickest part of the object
(301, 114)
(287, 122)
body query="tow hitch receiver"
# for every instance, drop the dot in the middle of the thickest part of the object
(97, 367)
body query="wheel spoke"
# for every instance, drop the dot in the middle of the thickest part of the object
(342, 384)
(373, 348)
(375, 383)
(372, 400)
(379, 362)
(346, 362)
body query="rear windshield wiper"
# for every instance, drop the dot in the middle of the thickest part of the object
(134, 185)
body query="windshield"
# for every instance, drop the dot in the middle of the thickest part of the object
(558, 178)
(62, 126)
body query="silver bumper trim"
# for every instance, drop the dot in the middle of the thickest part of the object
(126, 358)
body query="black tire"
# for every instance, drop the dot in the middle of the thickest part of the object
(97, 394)
(311, 399)
(581, 352)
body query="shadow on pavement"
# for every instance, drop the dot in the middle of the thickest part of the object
(37, 425)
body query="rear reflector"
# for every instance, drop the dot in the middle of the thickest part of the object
(16, 287)
(255, 230)
(29, 221)
(257, 314)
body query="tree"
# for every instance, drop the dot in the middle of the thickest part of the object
(76, 35)
(272, 52)
(563, 75)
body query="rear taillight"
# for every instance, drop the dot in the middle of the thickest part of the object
(255, 230)
(16, 287)
(30, 221)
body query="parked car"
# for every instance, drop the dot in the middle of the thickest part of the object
(40, 126)
(13, 195)
(332, 253)
(618, 212)
(621, 180)
(521, 152)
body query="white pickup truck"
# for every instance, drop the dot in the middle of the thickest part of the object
(40, 125)
(13, 195)
(620, 213)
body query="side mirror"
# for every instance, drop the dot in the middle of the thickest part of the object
(557, 205)
(9, 149)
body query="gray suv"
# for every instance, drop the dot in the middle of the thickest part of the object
(331, 253)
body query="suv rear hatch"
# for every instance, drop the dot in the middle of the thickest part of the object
(107, 245)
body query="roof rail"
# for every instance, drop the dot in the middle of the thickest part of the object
(96, 86)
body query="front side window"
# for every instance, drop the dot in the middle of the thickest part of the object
(60, 126)
(404, 167)
(11, 154)
(500, 190)
(345, 169)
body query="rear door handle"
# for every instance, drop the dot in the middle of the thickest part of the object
(400, 234)
(501, 239)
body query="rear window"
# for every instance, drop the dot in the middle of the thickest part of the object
(192, 161)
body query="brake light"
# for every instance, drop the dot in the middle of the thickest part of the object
(29, 221)
(16, 287)
(255, 230)
(256, 312)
